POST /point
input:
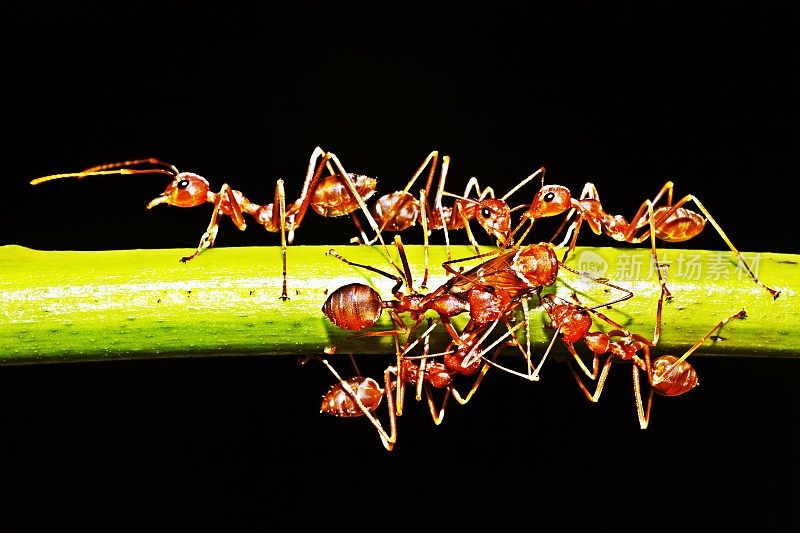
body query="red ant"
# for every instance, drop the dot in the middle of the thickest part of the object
(362, 396)
(668, 375)
(671, 222)
(338, 194)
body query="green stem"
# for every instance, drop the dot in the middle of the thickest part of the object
(111, 305)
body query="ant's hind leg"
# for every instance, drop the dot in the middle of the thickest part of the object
(775, 293)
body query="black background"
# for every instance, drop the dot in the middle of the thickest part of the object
(619, 95)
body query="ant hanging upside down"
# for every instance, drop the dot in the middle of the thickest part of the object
(667, 375)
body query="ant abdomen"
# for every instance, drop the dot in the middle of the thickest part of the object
(671, 379)
(396, 211)
(354, 306)
(680, 226)
(331, 198)
(338, 402)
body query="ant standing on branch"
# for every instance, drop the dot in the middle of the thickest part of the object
(337, 194)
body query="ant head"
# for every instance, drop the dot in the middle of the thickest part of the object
(495, 217)
(551, 200)
(186, 190)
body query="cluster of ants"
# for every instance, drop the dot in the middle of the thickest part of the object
(493, 291)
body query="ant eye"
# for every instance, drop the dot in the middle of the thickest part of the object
(549, 197)
(485, 212)
(183, 184)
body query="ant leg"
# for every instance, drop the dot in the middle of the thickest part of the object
(595, 362)
(636, 224)
(662, 281)
(487, 364)
(437, 217)
(528, 375)
(740, 315)
(532, 371)
(462, 400)
(450, 270)
(357, 223)
(589, 192)
(601, 381)
(628, 294)
(773, 292)
(446, 233)
(644, 416)
(210, 236)
(425, 237)
(401, 252)
(280, 199)
(403, 355)
(437, 414)
(433, 160)
(354, 193)
(651, 232)
(397, 279)
(300, 206)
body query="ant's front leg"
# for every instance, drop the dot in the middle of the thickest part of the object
(208, 239)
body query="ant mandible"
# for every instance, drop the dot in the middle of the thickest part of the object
(337, 194)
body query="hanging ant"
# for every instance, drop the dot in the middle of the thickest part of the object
(361, 396)
(334, 195)
(667, 375)
(671, 222)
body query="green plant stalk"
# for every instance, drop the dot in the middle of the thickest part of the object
(140, 304)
